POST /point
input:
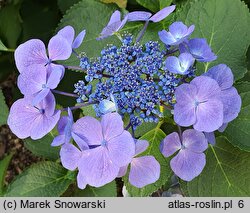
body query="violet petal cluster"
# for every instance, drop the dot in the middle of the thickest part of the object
(190, 160)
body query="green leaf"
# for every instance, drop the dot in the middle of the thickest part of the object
(120, 3)
(92, 16)
(225, 25)
(66, 4)
(243, 87)
(2, 46)
(4, 163)
(10, 26)
(42, 147)
(89, 110)
(154, 5)
(237, 131)
(4, 110)
(225, 174)
(144, 128)
(154, 137)
(39, 19)
(108, 190)
(44, 179)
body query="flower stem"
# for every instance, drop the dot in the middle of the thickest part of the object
(166, 106)
(142, 32)
(64, 93)
(171, 51)
(74, 68)
(79, 106)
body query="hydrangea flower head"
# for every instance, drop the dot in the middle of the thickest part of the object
(109, 148)
(26, 120)
(189, 162)
(33, 52)
(178, 32)
(114, 25)
(179, 65)
(144, 170)
(200, 49)
(199, 104)
(38, 83)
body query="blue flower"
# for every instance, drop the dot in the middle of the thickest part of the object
(178, 32)
(181, 64)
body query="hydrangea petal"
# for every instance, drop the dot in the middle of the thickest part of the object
(170, 144)
(162, 14)
(112, 125)
(81, 143)
(59, 48)
(210, 137)
(223, 127)
(222, 74)
(43, 124)
(186, 61)
(40, 96)
(89, 130)
(54, 78)
(194, 140)
(81, 182)
(141, 146)
(115, 17)
(31, 81)
(79, 39)
(70, 156)
(139, 16)
(122, 171)
(209, 116)
(231, 104)
(21, 115)
(107, 106)
(166, 37)
(207, 88)
(187, 165)
(58, 140)
(184, 115)
(98, 167)
(178, 29)
(173, 64)
(68, 33)
(62, 124)
(185, 93)
(121, 149)
(200, 50)
(31, 52)
(144, 170)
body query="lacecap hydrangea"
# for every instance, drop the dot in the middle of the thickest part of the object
(128, 83)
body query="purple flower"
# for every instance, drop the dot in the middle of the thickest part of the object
(35, 121)
(229, 96)
(199, 104)
(199, 48)
(64, 128)
(143, 170)
(68, 33)
(189, 162)
(178, 32)
(146, 16)
(114, 25)
(37, 83)
(181, 64)
(33, 52)
(109, 147)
